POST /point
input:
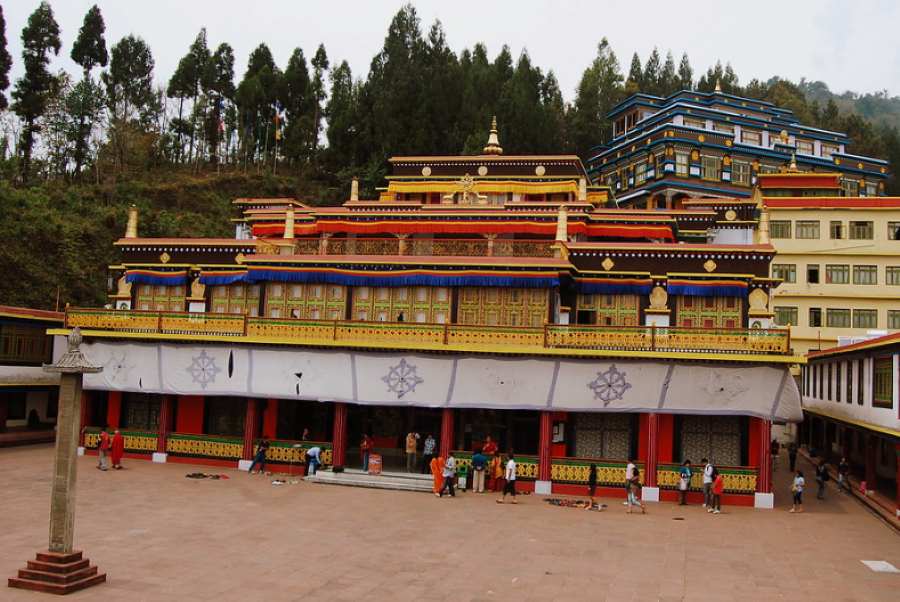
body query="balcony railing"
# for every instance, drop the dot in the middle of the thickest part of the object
(499, 339)
(25, 348)
(427, 247)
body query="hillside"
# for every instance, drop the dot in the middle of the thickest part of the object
(879, 107)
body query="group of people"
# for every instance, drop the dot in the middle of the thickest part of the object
(313, 457)
(490, 472)
(713, 485)
(110, 448)
(822, 475)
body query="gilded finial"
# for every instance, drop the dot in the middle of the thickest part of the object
(718, 85)
(793, 165)
(131, 228)
(493, 144)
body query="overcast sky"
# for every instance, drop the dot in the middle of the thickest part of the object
(849, 45)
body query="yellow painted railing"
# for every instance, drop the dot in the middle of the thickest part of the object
(498, 338)
(428, 247)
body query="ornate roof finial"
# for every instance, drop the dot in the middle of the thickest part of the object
(793, 165)
(718, 85)
(493, 144)
(131, 228)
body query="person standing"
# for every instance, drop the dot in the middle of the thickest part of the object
(592, 484)
(634, 492)
(103, 449)
(774, 448)
(510, 475)
(365, 448)
(821, 476)
(427, 453)
(479, 464)
(708, 476)
(844, 476)
(305, 436)
(489, 448)
(496, 474)
(448, 473)
(684, 482)
(412, 442)
(797, 490)
(260, 458)
(630, 469)
(437, 466)
(117, 449)
(313, 460)
(718, 488)
(792, 455)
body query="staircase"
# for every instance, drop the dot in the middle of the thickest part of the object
(400, 481)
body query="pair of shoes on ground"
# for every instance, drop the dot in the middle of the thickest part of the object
(713, 511)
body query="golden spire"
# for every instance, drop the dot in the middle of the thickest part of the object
(793, 165)
(131, 227)
(493, 144)
(289, 222)
(718, 85)
(354, 189)
(762, 231)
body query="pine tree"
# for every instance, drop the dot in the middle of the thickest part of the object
(652, 78)
(218, 86)
(297, 102)
(320, 68)
(635, 81)
(5, 64)
(89, 51)
(685, 73)
(343, 123)
(668, 79)
(598, 91)
(39, 37)
(256, 97)
(439, 112)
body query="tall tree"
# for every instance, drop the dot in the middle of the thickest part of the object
(635, 81)
(40, 37)
(185, 85)
(320, 68)
(218, 86)
(5, 62)
(89, 51)
(439, 112)
(298, 110)
(685, 73)
(652, 77)
(343, 121)
(668, 79)
(598, 91)
(256, 97)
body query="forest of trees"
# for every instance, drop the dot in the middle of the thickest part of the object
(75, 150)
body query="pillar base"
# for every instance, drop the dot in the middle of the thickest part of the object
(160, 458)
(244, 464)
(57, 573)
(543, 487)
(764, 500)
(650, 494)
(80, 451)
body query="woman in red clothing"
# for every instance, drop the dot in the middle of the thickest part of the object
(117, 449)
(718, 489)
(103, 450)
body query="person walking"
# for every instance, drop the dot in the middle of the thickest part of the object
(117, 449)
(496, 474)
(634, 492)
(792, 456)
(437, 466)
(844, 476)
(774, 448)
(592, 484)
(708, 477)
(630, 469)
(684, 482)
(797, 487)
(365, 448)
(821, 477)
(479, 464)
(103, 449)
(412, 442)
(260, 458)
(427, 453)
(510, 476)
(718, 488)
(313, 460)
(448, 473)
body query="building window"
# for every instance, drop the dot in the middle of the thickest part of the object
(724, 128)
(883, 383)
(812, 273)
(785, 271)
(865, 274)
(871, 189)
(865, 318)
(836, 230)
(815, 317)
(893, 319)
(780, 229)
(658, 165)
(235, 299)
(682, 163)
(764, 168)
(152, 297)
(751, 137)
(829, 149)
(740, 173)
(640, 173)
(861, 231)
(786, 316)
(711, 168)
(225, 416)
(892, 275)
(860, 381)
(140, 411)
(837, 274)
(694, 123)
(807, 229)
(850, 187)
(837, 318)
(893, 232)
(804, 147)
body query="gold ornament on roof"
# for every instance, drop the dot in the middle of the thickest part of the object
(426, 171)
(710, 265)
(123, 287)
(467, 193)
(608, 264)
(731, 215)
(165, 257)
(239, 258)
(658, 298)
(493, 144)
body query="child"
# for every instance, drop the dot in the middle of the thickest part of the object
(592, 484)
(634, 492)
(718, 488)
(684, 482)
(797, 489)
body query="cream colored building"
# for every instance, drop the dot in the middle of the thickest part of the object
(838, 257)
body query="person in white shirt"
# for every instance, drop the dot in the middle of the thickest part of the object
(313, 460)
(510, 486)
(449, 473)
(708, 475)
(629, 474)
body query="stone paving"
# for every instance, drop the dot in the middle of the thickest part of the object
(160, 536)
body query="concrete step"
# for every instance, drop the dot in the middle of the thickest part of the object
(55, 588)
(357, 478)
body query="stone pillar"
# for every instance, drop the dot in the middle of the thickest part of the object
(166, 419)
(543, 485)
(490, 244)
(251, 421)
(323, 243)
(446, 432)
(401, 243)
(650, 491)
(339, 437)
(764, 498)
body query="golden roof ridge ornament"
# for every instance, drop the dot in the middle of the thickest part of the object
(718, 85)
(131, 228)
(793, 165)
(493, 144)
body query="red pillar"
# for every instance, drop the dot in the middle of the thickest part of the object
(270, 419)
(764, 459)
(446, 431)
(166, 419)
(544, 466)
(189, 415)
(871, 477)
(251, 421)
(339, 437)
(114, 409)
(652, 450)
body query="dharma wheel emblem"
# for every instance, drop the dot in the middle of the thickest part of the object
(609, 386)
(402, 379)
(203, 369)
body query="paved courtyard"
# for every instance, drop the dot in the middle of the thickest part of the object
(160, 536)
